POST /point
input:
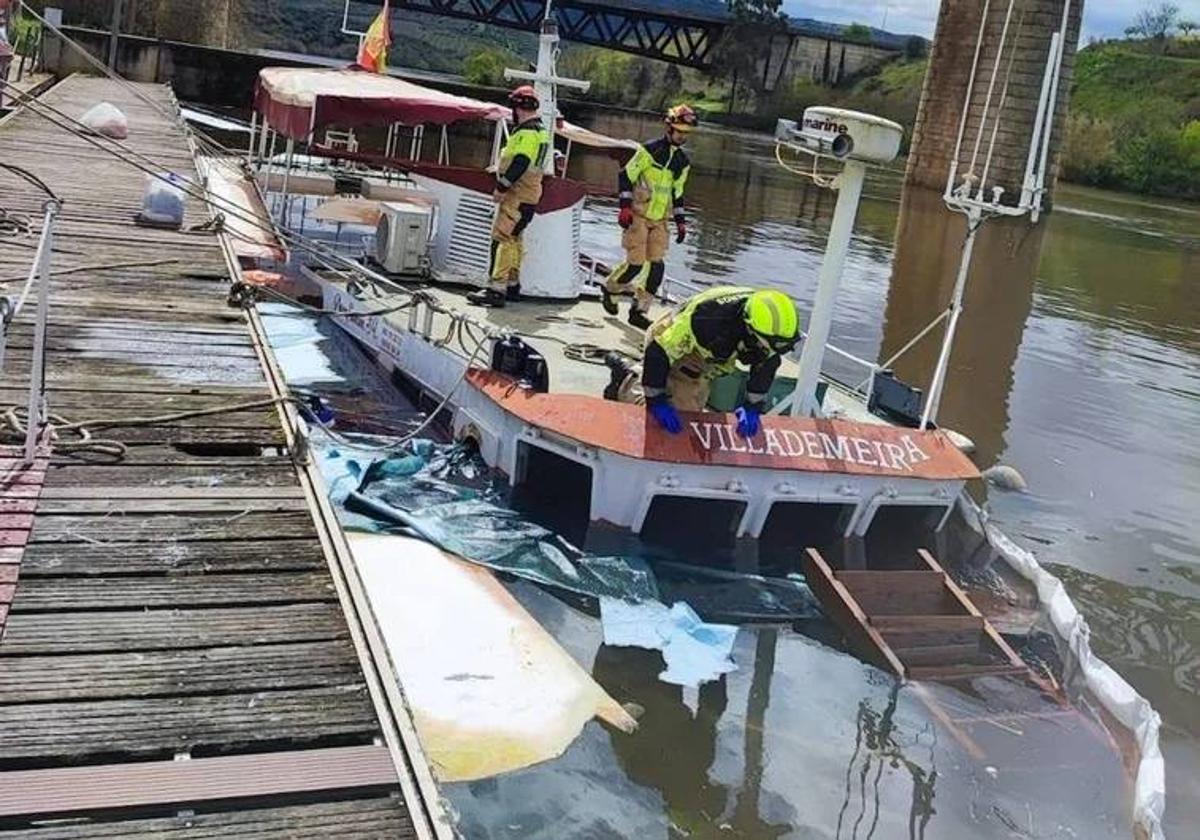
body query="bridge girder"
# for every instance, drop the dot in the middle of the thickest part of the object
(677, 39)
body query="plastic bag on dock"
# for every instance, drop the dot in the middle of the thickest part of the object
(162, 202)
(107, 120)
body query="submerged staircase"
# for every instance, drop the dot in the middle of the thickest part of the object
(914, 622)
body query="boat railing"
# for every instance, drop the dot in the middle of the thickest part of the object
(37, 410)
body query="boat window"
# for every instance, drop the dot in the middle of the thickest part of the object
(792, 527)
(897, 531)
(695, 530)
(553, 491)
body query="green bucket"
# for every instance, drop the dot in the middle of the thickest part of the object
(728, 391)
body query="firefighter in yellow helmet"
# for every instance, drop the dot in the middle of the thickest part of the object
(706, 338)
(651, 189)
(517, 193)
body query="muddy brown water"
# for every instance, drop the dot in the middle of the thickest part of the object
(1076, 364)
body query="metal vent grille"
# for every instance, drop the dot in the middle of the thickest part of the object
(469, 249)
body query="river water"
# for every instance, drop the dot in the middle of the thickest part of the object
(1078, 365)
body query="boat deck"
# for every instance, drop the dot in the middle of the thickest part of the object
(178, 640)
(558, 329)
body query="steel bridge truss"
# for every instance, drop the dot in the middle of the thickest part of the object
(649, 33)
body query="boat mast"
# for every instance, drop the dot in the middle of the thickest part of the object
(546, 79)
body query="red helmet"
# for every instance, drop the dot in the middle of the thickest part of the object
(682, 117)
(525, 98)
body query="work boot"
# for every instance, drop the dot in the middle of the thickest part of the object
(488, 297)
(608, 301)
(619, 370)
(638, 318)
(513, 293)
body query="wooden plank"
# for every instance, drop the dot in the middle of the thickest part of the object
(170, 629)
(151, 558)
(158, 727)
(60, 791)
(899, 593)
(377, 818)
(94, 506)
(956, 673)
(278, 472)
(847, 614)
(997, 640)
(947, 655)
(905, 631)
(107, 593)
(117, 492)
(112, 676)
(169, 528)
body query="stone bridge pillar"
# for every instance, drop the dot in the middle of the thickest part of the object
(1021, 67)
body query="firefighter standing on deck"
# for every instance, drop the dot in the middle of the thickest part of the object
(518, 191)
(651, 186)
(706, 338)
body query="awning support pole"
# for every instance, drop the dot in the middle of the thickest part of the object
(287, 171)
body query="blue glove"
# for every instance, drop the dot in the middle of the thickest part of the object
(748, 420)
(666, 415)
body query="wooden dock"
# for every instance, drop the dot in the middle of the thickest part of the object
(183, 653)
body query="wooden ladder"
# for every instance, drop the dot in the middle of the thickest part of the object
(916, 623)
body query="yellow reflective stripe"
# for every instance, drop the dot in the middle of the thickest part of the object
(677, 340)
(681, 181)
(525, 141)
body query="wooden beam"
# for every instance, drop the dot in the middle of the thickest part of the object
(65, 790)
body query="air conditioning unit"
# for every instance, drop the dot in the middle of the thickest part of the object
(402, 237)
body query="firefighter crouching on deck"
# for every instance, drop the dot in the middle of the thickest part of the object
(702, 340)
(518, 191)
(651, 186)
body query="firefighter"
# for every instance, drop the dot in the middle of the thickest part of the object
(517, 193)
(651, 186)
(706, 338)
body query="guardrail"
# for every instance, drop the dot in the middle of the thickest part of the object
(37, 409)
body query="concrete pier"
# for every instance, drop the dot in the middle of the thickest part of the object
(1021, 67)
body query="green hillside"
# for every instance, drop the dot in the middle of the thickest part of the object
(1135, 121)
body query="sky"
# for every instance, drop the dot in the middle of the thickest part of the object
(1101, 18)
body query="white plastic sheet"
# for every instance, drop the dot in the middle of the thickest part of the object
(1122, 701)
(695, 652)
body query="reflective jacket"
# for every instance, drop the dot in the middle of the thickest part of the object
(521, 162)
(707, 338)
(652, 182)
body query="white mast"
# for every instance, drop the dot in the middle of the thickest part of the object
(546, 79)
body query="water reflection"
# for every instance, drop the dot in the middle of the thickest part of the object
(998, 300)
(876, 745)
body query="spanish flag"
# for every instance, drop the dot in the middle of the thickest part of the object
(372, 52)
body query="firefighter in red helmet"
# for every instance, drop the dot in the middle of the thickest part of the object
(651, 189)
(517, 193)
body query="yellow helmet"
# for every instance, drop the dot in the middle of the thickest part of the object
(772, 316)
